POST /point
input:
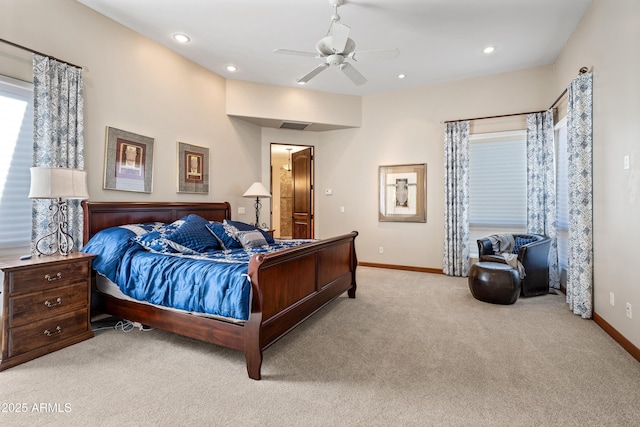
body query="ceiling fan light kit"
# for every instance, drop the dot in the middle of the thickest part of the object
(336, 47)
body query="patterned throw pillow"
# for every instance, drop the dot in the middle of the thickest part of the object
(521, 241)
(251, 239)
(226, 235)
(140, 229)
(154, 240)
(242, 226)
(193, 236)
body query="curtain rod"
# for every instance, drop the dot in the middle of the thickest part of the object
(38, 53)
(494, 117)
(582, 71)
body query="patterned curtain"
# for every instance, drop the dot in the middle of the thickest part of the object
(580, 178)
(58, 134)
(541, 186)
(456, 199)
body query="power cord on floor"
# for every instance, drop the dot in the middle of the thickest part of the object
(124, 326)
(128, 326)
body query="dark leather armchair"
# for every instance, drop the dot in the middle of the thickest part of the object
(533, 256)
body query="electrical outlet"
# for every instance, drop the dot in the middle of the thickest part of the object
(626, 162)
(241, 210)
(381, 250)
(629, 315)
(611, 299)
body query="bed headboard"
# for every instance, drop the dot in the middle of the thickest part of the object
(101, 215)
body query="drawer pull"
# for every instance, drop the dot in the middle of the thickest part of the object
(52, 278)
(50, 334)
(48, 303)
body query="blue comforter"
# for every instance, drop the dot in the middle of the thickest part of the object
(214, 283)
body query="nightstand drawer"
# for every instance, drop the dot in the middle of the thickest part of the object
(39, 305)
(46, 276)
(35, 335)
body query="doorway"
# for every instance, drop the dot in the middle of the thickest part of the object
(292, 170)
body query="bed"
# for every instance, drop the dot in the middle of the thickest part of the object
(287, 286)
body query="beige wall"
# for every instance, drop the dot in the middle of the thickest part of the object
(607, 41)
(407, 127)
(262, 101)
(137, 85)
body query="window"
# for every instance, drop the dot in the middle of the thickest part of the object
(16, 140)
(497, 184)
(562, 192)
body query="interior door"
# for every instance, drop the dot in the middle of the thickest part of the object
(301, 170)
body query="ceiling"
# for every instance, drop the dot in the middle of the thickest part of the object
(439, 40)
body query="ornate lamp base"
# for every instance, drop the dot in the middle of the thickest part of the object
(58, 240)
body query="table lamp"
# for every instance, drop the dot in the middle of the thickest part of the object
(58, 184)
(257, 190)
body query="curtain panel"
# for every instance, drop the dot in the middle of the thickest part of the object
(456, 209)
(541, 186)
(580, 179)
(58, 135)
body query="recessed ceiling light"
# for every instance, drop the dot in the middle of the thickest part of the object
(181, 38)
(232, 68)
(302, 83)
(401, 76)
(489, 49)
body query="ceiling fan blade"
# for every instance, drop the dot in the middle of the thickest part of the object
(295, 52)
(353, 74)
(367, 55)
(311, 74)
(339, 37)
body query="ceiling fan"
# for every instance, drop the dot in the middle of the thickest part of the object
(336, 47)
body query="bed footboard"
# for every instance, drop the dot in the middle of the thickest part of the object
(291, 285)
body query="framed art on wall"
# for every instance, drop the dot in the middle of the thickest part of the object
(128, 162)
(403, 193)
(193, 169)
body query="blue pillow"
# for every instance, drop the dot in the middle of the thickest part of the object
(225, 234)
(193, 235)
(242, 226)
(521, 241)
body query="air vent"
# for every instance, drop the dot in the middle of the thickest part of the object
(294, 125)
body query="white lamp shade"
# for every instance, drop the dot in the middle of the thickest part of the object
(54, 183)
(257, 190)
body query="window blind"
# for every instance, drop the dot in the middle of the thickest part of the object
(498, 180)
(16, 156)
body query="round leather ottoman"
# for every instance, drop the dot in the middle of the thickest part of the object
(494, 282)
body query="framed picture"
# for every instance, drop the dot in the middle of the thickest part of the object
(403, 193)
(193, 169)
(128, 161)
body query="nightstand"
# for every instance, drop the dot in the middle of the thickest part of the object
(46, 304)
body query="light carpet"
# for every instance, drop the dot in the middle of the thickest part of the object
(411, 349)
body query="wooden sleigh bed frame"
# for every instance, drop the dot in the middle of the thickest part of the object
(287, 286)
